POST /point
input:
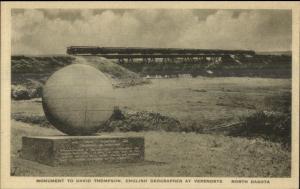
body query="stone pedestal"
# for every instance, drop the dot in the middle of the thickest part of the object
(75, 150)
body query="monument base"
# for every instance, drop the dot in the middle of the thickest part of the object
(74, 150)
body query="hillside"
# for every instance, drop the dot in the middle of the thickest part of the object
(29, 73)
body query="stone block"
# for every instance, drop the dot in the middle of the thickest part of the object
(76, 150)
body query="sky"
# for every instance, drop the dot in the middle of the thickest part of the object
(51, 31)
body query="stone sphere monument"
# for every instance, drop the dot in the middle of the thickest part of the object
(78, 99)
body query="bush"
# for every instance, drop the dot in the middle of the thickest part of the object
(140, 121)
(274, 126)
(19, 92)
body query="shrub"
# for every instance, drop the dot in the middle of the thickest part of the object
(19, 92)
(274, 126)
(140, 121)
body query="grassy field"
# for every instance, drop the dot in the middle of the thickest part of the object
(171, 154)
(200, 101)
(206, 101)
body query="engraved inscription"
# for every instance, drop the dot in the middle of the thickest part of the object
(118, 149)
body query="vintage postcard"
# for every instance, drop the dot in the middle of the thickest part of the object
(150, 95)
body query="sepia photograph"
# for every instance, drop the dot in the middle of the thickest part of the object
(150, 95)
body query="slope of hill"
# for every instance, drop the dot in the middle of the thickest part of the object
(29, 73)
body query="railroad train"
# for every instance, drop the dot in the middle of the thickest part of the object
(95, 50)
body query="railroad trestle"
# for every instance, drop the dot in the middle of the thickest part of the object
(158, 55)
